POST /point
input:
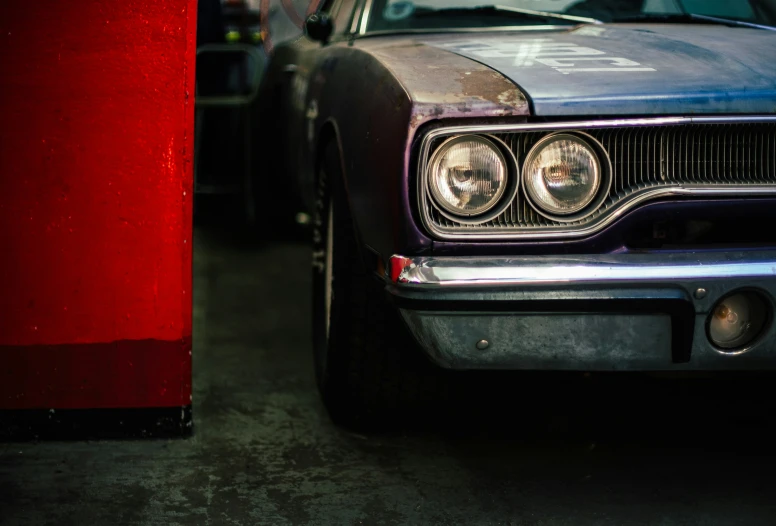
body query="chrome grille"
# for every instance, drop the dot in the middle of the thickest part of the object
(647, 162)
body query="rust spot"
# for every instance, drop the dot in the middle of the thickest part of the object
(491, 86)
(443, 84)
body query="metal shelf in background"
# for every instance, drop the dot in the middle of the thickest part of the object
(245, 125)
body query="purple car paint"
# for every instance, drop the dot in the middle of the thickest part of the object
(632, 70)
(375, 95)
(677, 113)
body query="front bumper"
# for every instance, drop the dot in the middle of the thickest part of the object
(637, 312)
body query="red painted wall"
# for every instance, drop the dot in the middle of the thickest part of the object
(96, 137)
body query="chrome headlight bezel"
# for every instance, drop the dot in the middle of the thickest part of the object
(498, 204)
(604, 176)
(629, 141)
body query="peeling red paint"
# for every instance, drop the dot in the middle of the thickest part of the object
(397, 265)
(95, 198)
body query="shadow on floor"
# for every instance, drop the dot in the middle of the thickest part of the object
(571, 450)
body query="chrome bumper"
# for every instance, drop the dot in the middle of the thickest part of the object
(596, 312)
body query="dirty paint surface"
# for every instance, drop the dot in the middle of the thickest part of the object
(442, 84)
(633, 69)
(95, 201)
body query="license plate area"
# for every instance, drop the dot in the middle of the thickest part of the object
(557, 341)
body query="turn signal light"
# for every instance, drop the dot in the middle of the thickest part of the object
(737, 320)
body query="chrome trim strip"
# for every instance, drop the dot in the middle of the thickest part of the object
(365, 17)
(356, 18)
(608, 123)
(583, 270)
(361, 21)
(732, 22)
(549, 14)
(611, 215)
(608, 216)
(443, 30)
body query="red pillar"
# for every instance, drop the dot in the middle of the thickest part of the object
(96, 138)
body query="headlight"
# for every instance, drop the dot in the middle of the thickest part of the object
(468, 175)
(562, 174)
(737, 320)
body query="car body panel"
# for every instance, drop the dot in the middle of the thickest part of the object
(632, 70)
(375, 97)
(641, 311)
(378, 92)
(374, 94)
(397, 85)
(441, 84)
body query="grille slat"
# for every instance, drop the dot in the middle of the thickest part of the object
(644, 158)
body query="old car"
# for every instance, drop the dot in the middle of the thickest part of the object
(544, 185)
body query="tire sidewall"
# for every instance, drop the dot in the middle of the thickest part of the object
(322, 204)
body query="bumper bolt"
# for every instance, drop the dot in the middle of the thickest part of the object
(482, 345)
(700, 294)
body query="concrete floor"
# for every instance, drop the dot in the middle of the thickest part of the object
(600, 451)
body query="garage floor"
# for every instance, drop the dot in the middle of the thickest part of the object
(600, 451)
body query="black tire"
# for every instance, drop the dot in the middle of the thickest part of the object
(368, 368)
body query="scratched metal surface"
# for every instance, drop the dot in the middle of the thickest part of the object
(535, 341)
(632, 69)
(442, 84)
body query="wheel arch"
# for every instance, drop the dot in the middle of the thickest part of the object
(328, 133)
(361, 105)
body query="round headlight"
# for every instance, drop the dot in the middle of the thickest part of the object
(562, 174)
(468, 175)
(737, 320)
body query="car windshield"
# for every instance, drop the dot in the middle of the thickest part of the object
(400, 15)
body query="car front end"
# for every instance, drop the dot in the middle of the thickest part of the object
(606, 244)
(573, 195)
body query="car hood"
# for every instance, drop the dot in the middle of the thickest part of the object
(631, 69)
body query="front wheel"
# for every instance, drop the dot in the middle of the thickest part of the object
(367, 366)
